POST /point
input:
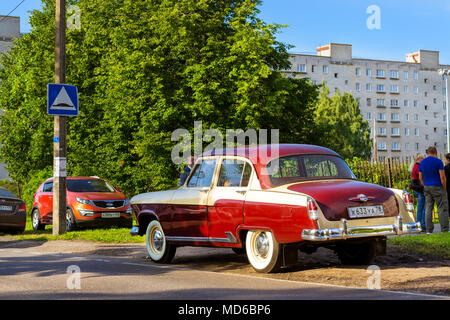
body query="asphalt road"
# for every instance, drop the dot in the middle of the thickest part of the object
(28, 273)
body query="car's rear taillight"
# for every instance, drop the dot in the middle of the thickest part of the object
(313, 210)
(408, 201)
(22, 208)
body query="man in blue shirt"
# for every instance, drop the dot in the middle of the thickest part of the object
(432, 176)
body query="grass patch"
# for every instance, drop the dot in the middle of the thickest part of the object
(107, 235)
(437, 244)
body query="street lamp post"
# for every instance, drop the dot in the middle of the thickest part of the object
(445, 73)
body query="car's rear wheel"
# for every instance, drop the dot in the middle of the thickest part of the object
(263, 251)
(36, 220)
(157, 247)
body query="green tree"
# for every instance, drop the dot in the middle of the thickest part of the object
(341, 125)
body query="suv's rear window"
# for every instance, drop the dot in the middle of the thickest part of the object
(295, 168)
(89, 185)
(5, 193)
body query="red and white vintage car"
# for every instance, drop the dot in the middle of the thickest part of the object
(298, 198)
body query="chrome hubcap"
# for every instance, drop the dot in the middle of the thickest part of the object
(262, 245)
(35, 219)
(158, 240)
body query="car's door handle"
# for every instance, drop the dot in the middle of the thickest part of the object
(241, 191)
(50, 197)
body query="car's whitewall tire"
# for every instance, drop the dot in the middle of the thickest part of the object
(263, 251)
(157, 247)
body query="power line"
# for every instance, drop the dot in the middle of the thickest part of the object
(11, 11)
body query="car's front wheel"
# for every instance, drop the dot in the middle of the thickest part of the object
(157, 247)
(263, 251)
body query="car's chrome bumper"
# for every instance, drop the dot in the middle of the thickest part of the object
(345, 232)
(134, 231)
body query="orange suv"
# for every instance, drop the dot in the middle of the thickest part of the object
(91, 201)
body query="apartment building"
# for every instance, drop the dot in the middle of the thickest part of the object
(404, 102)
(9, 30)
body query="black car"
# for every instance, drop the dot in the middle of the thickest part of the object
(12, 213)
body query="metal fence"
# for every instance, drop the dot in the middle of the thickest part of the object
(392, 173)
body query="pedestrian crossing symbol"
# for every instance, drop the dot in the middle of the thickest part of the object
(62, 100)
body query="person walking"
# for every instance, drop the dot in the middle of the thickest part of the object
(432, 176)
(417, 187)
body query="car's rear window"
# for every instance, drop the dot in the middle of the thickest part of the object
(303, 167)
(89, 185)
(6, 194)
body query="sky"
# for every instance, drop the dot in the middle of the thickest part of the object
(404, 25)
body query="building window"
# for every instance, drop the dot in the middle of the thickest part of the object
(380, 88)
(301, 68)
(405, 103)
(407, 146)
(381, 131)
(369, 116)
(405, 89)
(405, 75)
(417, 146)
(358, 86)
(416, 117)
(416, 103)
(358, 71)
(395, 131)
(394, 88)
(394, 74)
(416, 90)
(416, 132)
(406, 131)
(395, 117)
(380, 103)
(369, 72)
(434, 100)
(325, 69)
(395, 146)
(369, 102)
(406, 117)
(394, 103)
(381, 117)
(381, 145)
(445, 132)
(335, 75)
(416, 75)
(313, 68)
(368, 87)
(380, 73)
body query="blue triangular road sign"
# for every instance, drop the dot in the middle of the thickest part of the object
(62, 100)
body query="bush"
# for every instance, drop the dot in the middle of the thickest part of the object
(29, 189)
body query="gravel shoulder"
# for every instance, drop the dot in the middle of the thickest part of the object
(399, 270)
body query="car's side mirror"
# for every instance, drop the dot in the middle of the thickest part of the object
(118, 189)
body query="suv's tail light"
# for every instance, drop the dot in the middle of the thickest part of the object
(408, 201)
(313, 210)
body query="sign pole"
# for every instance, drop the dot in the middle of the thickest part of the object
(59, 145)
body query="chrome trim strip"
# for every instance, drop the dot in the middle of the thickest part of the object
(345, 232)
(198, 239)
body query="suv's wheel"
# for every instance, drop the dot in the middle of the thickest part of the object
(157, 247)
(357, 254)
(36, 220)
(263, 251)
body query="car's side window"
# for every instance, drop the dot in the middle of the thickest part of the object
(47, 187)
(203, 174)
(234, 173)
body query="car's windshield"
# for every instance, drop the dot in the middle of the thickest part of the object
(89, 185)
(304, 167)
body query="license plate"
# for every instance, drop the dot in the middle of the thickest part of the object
(5, 208)
(362, 212)
(110, 214)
